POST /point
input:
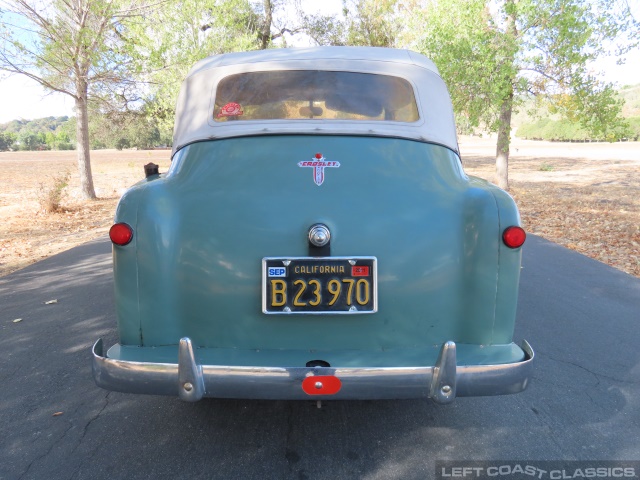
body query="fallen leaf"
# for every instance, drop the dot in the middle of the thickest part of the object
(17, 320)
(51, 301)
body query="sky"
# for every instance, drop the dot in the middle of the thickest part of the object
(22, 98)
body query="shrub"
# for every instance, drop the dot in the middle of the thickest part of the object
(64, 146)
(50, 196)
(123, 143)
(634, 128)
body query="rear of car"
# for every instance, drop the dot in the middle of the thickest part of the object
(315, 237)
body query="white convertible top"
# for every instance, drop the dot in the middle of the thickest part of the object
(194, 112)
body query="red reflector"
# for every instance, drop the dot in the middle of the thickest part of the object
(514, 237)
(121, 234)
(321, 385)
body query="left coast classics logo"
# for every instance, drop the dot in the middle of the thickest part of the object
(319, 163)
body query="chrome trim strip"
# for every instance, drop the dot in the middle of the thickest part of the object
(285, 383)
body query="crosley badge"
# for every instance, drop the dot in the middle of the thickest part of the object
(319, 163)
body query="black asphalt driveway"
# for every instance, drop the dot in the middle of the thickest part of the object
(581, 317)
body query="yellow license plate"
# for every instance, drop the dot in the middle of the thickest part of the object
(323, 285)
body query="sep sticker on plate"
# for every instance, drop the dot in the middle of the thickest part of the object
(277, 272)
(231, 109)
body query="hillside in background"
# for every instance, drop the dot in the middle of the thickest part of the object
(40, 125)
(58, 133)
(49, 133)
(133, 130)
(537, 124)
(631, 96)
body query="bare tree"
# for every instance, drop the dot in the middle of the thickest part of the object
(265, 34)
(273, 26)
(74, 47)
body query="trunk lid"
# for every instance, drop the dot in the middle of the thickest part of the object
(227, 204)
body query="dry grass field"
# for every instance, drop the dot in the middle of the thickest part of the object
(583, 196)
(28, 233)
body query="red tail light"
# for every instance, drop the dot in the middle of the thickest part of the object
(121, 234)
(514, 237)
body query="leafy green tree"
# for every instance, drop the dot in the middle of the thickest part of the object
(62, 140)
(50, 140)
(29, 141)
(7, 141)
(325, 29)
(134, 128)
(374, 23)
(183, 33)
(74, 47)
(67, 130)
(144, 132)
(123, 143)
(493, 54)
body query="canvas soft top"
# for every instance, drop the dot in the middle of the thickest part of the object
(195, 108)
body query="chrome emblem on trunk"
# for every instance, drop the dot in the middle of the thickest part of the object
(319, 163)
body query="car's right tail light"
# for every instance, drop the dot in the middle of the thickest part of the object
(514, 237)
(121, 234)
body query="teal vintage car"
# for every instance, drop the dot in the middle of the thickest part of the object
(315, 238)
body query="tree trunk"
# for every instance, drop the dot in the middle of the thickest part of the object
(82, 142)
(504, 140)
(506, 107)
(265, 35)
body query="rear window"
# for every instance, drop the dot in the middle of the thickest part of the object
(314, 95)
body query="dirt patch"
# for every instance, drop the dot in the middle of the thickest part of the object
(28, 234)
(583, 196)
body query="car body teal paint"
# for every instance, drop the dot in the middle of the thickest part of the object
(203, 229)
(189, 286)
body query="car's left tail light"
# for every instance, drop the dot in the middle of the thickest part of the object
(121, 234)
(514, 237)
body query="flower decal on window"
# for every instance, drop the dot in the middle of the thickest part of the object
(231, 109)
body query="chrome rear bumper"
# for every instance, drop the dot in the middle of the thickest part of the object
(190, 381)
